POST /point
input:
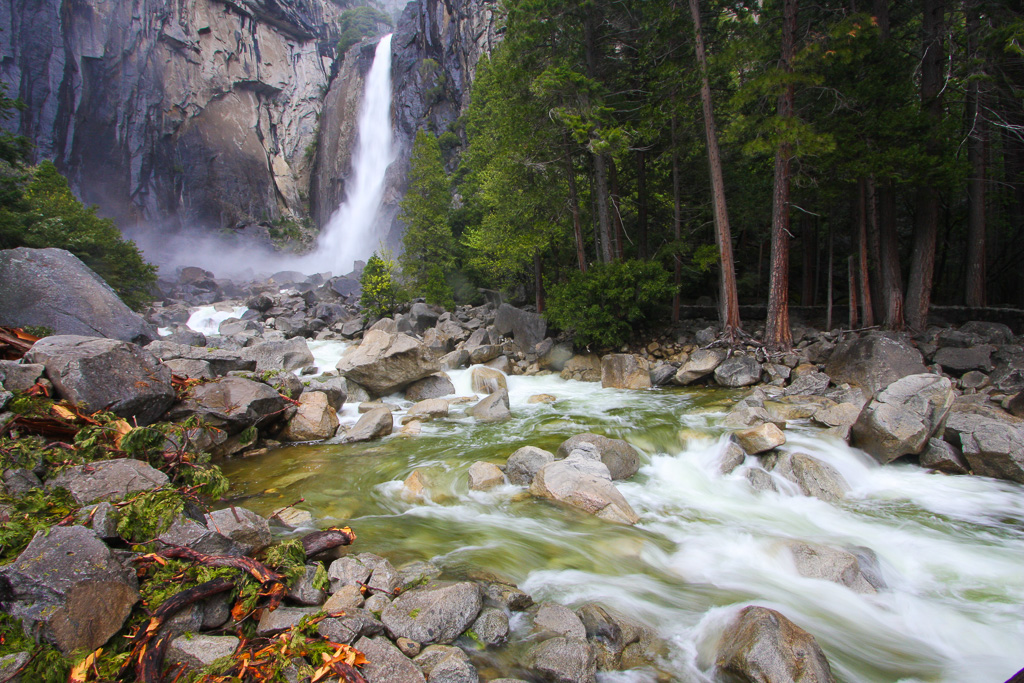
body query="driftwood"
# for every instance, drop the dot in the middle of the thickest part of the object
(319, 541)
(14, 343)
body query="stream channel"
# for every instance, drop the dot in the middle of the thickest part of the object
(951, 548)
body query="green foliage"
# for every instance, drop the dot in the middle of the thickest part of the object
(149, 514)
(33, 512)
(380, 292)
(288, 558)
(605, 305)
(428, 246)
(358, 23)
(437, 290)
(47, 664)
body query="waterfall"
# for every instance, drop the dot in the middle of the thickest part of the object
(349, 234)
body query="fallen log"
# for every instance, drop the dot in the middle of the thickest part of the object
(319, 541)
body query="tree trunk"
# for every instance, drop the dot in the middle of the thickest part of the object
(728, 300)
(892, 279)
(604, 225)
(538, 281)
(613, 187)
(851, 270)
(926, 218)
(777, 332)
(574, 205)
(828, 285)
(862, 248)
(677, 225)
(641, 203)
(976, 142)
(809, 237)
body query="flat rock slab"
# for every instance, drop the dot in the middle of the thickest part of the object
(107, 480)
(106, 374)
(437, 613)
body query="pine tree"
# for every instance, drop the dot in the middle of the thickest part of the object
(428, 244)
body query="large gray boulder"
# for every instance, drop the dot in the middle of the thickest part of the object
(901, 419)
(106, 374)
(625, 371)
(699, 365)
(582, 481)
(68, 584)
(53, 288)
(874, 361)
(814, 477)
(232, 404)
(623, 460)
(291, 354)
(386, 362)
(738, 371)
(437, 613)
(527, 329)
(563, 660)
(991, 440)
(763, 646)
(107, 480)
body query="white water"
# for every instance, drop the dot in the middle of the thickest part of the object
(350, 233)
(207, 319)
(950, 548)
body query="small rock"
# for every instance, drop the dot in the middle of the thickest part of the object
(347, 571)
(198, 651)
(346, 598)
(541, 398)
(282, 619)
(623, 460)
(493, 408)
(738, 371)
(699, 365)
(524, 464)
(409, 648)
(386, 663)
(491, 626)
(242, 526)
(303, 592)
(760, 439)
(437, 385)
(944, 457)
(487, 380)
(429, 409)
(484, 476)
(372, 425)
(553, 619)
(565, 660)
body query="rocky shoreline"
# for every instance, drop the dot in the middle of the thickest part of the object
(950, 400)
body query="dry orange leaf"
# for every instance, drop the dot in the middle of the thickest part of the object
(80, 672)
(122, 428)
(63, 413)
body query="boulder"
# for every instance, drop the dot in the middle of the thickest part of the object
(944, 457)
(487, 380)
(484, 476)
(355, 624)
(625, 371)
(347, 571)
(281, 619)
(195, 651)
(992, 442)
(492, 626)
(524, 464)
(107, 480)
(106, 374)
(761, 645)
(493, 408)
(288, 355)
(430, 409)
(874, 361)
(15, 376)
(619, 642)
(814, 477)
(243, 526)
(957, 361)
(527, 329)
(1015, 405)
(386, 362)
(190, 369)
(446, 664)
(582, 481)
(68, 584)
(738, 371)
(555, 357)
(812, 383)
(53, 288)
(385, 663)
(221, 361)
(901, 419)
(563, 660)
(815, 561)
(232, 404)
(315, 419)
(760, 439)
(987, 332)
(623, 460)
(484, 353)
(437, 385)
(436, 613)
(552, 619)
(188, 532)
(372, 425)
(583, 368)
(336, 389)
(454, 360)
(699, 365)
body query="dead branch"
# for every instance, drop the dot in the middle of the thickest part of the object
(319, 541)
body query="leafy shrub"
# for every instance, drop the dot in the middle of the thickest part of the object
(380, 292)
(436, 290)
(604, 304)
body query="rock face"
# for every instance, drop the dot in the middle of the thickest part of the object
(386, 362)
(874, 361)
(436, 613)
(69, 584)
(763, 646)
(106, 374)
(53, 288)
(193, 113)
(625, 371)
(622, 460)
(583, 481)
(901, 419)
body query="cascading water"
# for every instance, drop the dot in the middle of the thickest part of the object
(349, 234)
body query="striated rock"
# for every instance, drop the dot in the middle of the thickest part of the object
(69, 585)
(106, 374)
(622, 460)
(385, 362)
(815, 561)
(107, 480)
(625, 371)
(487, 380)
(760, 439)
(563, 660)
(53, 288)
(874, 361)
(372, 425)
(738, 371)
(763, 646)
(434, 386)
(437, 613)
(699, 365)
(315, 419)
(386, 663)
(582, 481)
(901, 419)
(523, 465)
(484, 476)
(231, 404)
(493, 408)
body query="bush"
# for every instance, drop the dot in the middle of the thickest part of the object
(380, 292)
(437, 290)
(606, 303)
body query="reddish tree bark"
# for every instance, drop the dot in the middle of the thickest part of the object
(862, 247)
(974, 294)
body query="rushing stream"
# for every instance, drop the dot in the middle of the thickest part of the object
(951, 548)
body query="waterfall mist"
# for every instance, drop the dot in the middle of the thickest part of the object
(350, 234)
